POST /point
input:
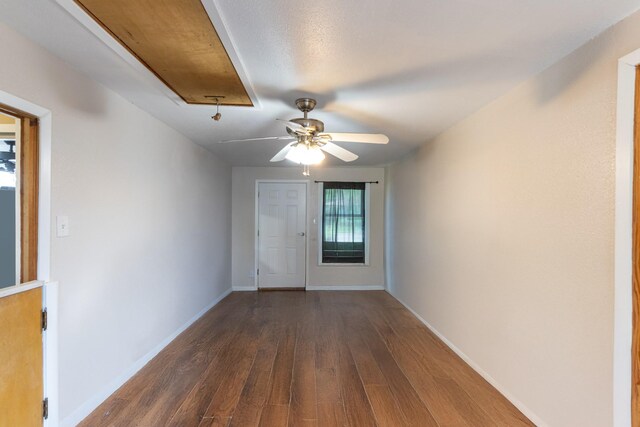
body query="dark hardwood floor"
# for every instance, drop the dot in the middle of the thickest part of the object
(307, 359)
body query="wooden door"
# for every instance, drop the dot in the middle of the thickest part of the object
(281, 235)
(21, 384)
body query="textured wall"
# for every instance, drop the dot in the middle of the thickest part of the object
(150, 221)
(501, 234)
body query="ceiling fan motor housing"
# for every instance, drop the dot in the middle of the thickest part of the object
(305, 104)
(312, 125)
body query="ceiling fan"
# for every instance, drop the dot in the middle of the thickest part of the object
(310, 139)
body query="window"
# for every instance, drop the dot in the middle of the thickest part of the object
(344, 223)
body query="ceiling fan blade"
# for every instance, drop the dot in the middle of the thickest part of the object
(339, 152)
(298, 128)
(282, 153)
(255, 139)
(365, 138)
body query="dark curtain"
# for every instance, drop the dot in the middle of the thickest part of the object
(343, 222)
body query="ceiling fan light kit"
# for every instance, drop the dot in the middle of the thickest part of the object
(305, 154)
(310, 139)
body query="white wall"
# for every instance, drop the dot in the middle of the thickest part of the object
(501, 234)
(149, 219)
(243, 225)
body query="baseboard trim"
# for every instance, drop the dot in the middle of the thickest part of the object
(345, 288)
(244, 289)
(91, 404)
(517, 403)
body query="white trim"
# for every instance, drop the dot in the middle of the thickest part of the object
(345, 288)
(211, 6)
(632, 58)
(44, 182)
(367, 222)
(44, 246)
(623, 241)
(517, 403)
(256, 259)
(12, 290)
(343, 264)
(243, 289)
(44, 198)
(23, 105)
(256, 243)
(50, 346)
(92, 403)
(320, 224)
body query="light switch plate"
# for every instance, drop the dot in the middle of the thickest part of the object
(62, 226)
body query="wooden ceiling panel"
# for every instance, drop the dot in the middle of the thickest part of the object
(176, 40)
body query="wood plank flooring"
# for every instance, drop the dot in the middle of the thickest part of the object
(307, 359)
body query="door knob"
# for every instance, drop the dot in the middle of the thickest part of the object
(301, 233)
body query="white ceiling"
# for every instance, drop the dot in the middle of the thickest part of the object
(409, 68)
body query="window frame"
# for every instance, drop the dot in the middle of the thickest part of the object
(367, 228)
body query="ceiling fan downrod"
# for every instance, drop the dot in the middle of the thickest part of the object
(305, 105)
(311, 126)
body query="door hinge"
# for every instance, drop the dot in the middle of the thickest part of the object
(44, 319)
(258, 272)
(258, 233)
(45, 408)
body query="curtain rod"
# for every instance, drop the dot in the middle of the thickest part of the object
(357, 182)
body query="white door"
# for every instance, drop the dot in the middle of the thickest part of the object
(281, 235)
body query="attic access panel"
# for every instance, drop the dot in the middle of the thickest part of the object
(176, 41)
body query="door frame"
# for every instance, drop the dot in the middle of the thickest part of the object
(50, 346)
(256, 256)
(623, 360)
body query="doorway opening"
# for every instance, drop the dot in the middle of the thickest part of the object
(9, 201)
(21, 295)
(19, 176)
